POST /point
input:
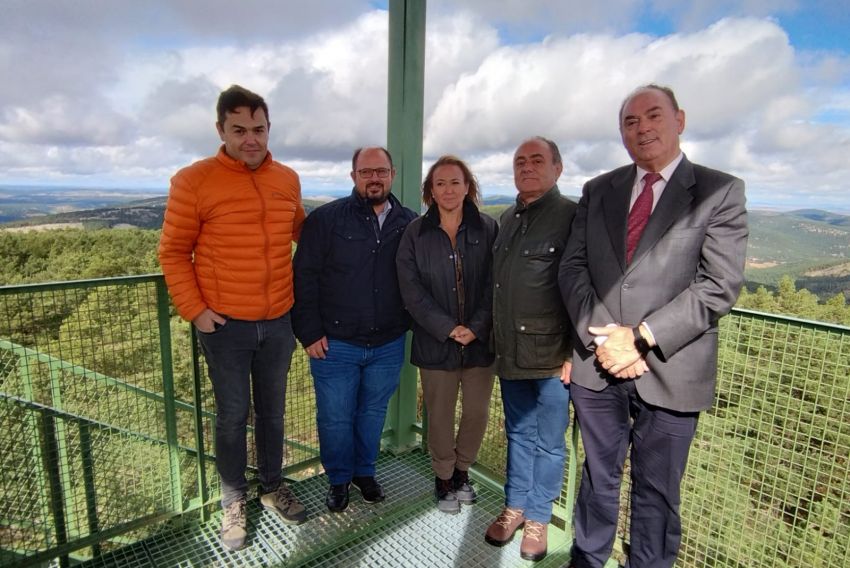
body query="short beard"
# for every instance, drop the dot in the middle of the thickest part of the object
(378, 200)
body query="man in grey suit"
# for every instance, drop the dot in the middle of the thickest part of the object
(655, 258)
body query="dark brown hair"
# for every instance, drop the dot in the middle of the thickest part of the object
(235, 97)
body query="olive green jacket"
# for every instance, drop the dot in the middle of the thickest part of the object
(531, 328)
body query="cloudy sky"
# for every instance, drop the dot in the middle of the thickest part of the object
(121, 93)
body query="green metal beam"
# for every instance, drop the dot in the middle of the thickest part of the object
(404, 140)
(164, 320)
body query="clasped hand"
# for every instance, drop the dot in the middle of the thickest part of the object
(618, 354)
(462, 335)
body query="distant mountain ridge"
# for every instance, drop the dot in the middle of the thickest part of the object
(143, 214)
(822, 216)
(811, 245)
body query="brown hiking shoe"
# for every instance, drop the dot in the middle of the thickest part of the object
(501, 531)
(284, 503)
(234, 525)
(533, 545)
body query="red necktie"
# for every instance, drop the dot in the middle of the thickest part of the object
(639, 215)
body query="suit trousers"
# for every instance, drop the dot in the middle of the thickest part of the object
(610, 420)
(440, 390)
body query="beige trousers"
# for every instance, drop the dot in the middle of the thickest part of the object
(440, 389)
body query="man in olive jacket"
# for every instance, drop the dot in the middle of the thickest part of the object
(532, 338)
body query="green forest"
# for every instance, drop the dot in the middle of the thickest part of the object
(75, 254)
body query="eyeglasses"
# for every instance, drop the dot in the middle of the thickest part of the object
(366, 173)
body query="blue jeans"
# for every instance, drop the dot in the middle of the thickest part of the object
(537, 414)
(353, 387)
(242, 355)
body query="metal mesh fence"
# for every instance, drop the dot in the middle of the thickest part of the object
(104, 422)
(84, 452)
(767, 480)
(106, 430)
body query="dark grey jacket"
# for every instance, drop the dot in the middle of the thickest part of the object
(426, 277)
(530, 323)
(685, 275)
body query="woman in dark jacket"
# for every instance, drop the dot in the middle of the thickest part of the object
(444, 266)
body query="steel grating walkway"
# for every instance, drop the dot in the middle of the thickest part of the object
(405, 530)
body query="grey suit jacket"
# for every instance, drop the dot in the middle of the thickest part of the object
(686, 273)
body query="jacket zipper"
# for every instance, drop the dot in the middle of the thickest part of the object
(265, 244)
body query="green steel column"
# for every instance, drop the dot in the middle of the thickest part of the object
(63, 453)
(404, 140)
(38, 445)
(164, 320)
(198, 415)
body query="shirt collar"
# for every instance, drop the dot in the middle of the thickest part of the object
(666, 172)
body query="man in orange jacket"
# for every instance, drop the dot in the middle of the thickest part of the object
(226, 253)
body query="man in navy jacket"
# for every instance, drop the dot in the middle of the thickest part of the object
(350, 319)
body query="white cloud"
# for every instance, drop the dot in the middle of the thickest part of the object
(527, 19)
(739, 81)
(129, 93)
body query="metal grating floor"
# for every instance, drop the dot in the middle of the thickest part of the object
(404, 530)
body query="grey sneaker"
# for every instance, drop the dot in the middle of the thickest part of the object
(463, 487)
(284, 503)
(234, 525)
(447, 501)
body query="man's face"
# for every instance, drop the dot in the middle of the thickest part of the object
(245, 137)
(373, 176)
(535, 172)
(650, 129)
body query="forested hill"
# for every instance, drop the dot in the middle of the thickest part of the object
(809, 245)
(142, 214)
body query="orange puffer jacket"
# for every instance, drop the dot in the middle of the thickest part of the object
(227, 238)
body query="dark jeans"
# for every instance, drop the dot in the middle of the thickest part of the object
(241, 356)
(660, 439)
(353, 387)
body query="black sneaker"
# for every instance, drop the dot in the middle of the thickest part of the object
(446, 499)
(337, 499)
(463, 487)
(370, 489)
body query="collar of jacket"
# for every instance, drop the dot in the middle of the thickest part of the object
(238, 165)
(471, 217)
(363, 205)
(538, 203)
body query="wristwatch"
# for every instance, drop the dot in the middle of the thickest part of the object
(641, 344)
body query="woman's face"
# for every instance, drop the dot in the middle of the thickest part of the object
(449, 188)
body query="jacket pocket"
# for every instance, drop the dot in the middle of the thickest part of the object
(541, 343)
(540, 260)
(431, 353)
(350, 248)
(541, 251)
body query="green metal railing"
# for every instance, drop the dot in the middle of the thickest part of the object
(106, 424)
(106, 419)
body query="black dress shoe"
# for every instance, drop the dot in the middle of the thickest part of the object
(370, 489)
(337, 499)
